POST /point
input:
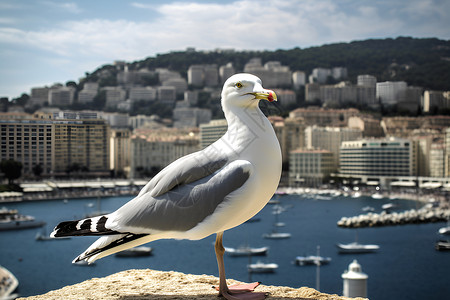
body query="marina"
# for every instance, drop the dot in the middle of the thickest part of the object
(407, 266)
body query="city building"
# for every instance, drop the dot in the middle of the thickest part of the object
(211, 132)
(447, 152)
(367, 81)
(190, 116)
(391, 92)
(286, 97)
(272, 74)
(180, 84)
(28, 141)
(88, 93)
(147, 94)
(372, 158)
(369, 126)
(433, 101)
(344, 93)
(310, 167)
(61, 96)
(290, 133)
(81, 145)
(330, 138)
(298, 79)
(59, 145)
(167, 95)
(116, 120)
(324, 117)
(312, 92)
(39, 96)
(319, 75)
(114, 96)
(437, 160)
(131, 78)
(195, 75)
(120, 151)
(152, 150)
(226, 72)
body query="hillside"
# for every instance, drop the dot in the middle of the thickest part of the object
(419, 62)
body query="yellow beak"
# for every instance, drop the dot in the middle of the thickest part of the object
(266, 95)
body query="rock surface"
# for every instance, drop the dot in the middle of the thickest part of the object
(149, 284)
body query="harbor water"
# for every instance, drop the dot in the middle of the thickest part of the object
(406, 267)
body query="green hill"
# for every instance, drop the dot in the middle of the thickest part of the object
(419, 62)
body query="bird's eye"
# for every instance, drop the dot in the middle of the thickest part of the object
(239, 85)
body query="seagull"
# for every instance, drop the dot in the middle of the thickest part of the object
(203, 193)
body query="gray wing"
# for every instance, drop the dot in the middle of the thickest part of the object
(184, 171)
(184, 206)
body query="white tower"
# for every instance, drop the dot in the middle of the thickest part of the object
(355, 281)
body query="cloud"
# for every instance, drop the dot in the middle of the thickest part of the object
(70, 7)
(244, 24)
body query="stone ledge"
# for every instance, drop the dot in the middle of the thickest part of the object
(150, 284)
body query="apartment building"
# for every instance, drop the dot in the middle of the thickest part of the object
(330, 138)
(290, 133)
(310, 167)
(84, 143)
(28, 142)
(211, 132)
(153, 150)
(56, 144)
(120, 151)
(377, 157)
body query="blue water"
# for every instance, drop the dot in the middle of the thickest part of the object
(406, 267)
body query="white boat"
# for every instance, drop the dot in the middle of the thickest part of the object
(356, 247)
(136, 251)
(445, 230)
(368, 209)
(442, 245)
(277, 235)
(276, 211)
(312, 260)
(261, 267)
(377, 196)
(246, 251)
(8, 284)
(10, 219)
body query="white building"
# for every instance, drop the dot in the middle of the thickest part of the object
(391, 92)
(116, 120)
(226, 72)
(167, 94)
(435, 100)
(286, 97)
(88, 93)
(179, 84)
(330, 138)
(147, 94)
(211, 132)
(298, 79)
(185, 117)
(309, 166)
(114, 95)
(61, 96)
(377, 157)
(195, 75)
(367, 80)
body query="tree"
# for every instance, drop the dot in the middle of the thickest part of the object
(37, 170)
(12, 169)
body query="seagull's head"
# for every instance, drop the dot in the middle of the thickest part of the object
(245, 90)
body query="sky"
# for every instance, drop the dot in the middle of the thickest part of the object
(43, 42)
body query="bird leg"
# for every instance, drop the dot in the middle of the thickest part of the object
(233, 292)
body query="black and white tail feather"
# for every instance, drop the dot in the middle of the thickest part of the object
(111, 241)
